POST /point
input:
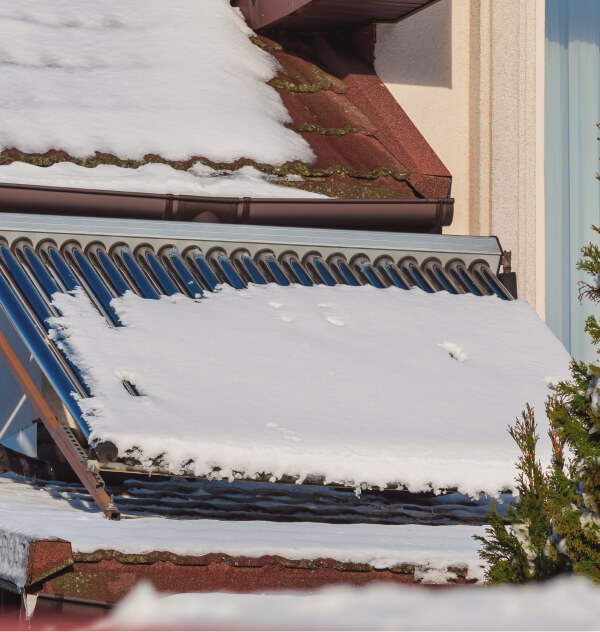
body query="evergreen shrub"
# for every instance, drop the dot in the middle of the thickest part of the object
(554, 525)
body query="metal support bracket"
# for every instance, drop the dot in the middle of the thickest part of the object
(62, 435)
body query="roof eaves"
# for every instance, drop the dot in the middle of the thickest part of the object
(325, 14)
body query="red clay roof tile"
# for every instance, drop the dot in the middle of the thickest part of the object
(352, 122)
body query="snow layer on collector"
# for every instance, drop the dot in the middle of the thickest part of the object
(354, 384)
(154, 178)
(27, 513)
(139, 77)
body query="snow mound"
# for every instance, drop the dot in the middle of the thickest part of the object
(455, 351)
(140, 77)
(351, 384)
(545, 606)
(154, 178)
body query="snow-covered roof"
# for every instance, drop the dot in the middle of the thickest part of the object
(28, 514)
(127, 84)
(140, 77)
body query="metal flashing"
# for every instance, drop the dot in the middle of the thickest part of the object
(13, 224)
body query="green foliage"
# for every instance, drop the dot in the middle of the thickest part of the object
(523, 552)
(590, 264)
(573, 501)
(507, 560)
(554, 526)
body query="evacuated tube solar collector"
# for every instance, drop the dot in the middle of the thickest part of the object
(106, 258)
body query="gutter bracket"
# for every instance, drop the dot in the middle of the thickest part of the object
(507, 276)
(168, 213)
(243, 210)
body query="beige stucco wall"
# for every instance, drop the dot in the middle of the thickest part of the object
(469, 73)
(421, 60)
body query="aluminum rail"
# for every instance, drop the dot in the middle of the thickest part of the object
(411, 215)
(164, 258)
(183, 234)
(54, 366)
(62, 435)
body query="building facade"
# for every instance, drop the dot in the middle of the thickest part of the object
(506, 92)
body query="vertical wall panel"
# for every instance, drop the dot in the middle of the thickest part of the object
(571, 157)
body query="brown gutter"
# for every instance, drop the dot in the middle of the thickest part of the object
(324, 14)
(410, 215)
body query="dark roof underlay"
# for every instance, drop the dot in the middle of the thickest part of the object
(366, 146)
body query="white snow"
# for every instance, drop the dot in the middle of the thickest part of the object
(567, 603)
(153, 178)
(352, 384)
(139, 77)
(14, 552)
(552, 382)
(27, 512)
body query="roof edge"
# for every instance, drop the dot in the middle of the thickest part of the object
(324, 14)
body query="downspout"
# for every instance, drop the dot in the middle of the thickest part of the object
(422, 216)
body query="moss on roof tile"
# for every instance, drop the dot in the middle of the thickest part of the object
(334, 181)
